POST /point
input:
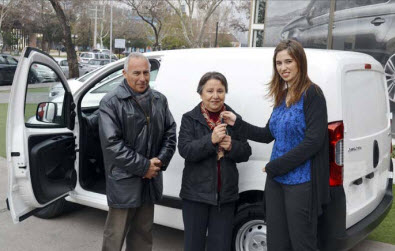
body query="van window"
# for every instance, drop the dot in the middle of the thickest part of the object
(154, 69)
(105, 88)
(40, 110)
(365, 103)
(93, 96)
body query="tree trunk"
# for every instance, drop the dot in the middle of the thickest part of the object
(70, 50)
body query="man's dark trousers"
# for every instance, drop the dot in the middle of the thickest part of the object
(134, 223)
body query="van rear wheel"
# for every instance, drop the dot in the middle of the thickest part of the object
(249, 231)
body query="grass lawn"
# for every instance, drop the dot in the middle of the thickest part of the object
(385, 232)
(40, 89)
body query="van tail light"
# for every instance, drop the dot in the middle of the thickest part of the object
(368, 66)
(336, 153)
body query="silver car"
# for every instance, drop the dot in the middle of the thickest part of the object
(94, 64)
(359, 25)
(64, 65)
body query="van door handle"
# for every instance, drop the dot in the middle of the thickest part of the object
(370, 175)
(378, 21)
(358, 181)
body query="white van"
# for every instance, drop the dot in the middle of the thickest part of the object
(60, 160)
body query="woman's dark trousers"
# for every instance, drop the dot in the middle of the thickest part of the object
(201, 219)
(290, 226)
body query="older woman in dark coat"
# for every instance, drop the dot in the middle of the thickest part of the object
(210, 178)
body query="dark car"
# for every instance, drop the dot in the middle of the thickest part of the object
(359, 25)
(7, 69)
(38, 73)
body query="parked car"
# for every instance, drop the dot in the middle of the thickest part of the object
(106, 52)
(37, 74)
(64, 65)
(74, 84)
(359, 25)
(7, 69)
(93, 64)
(43, 74)
(45, 157)
(86, 56)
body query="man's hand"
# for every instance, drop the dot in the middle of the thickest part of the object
(157, 162)
(218, 134)
(153, 169)
(226, 143)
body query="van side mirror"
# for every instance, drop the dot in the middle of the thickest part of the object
(46, 112)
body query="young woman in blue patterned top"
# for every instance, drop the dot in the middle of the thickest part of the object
(297, 183)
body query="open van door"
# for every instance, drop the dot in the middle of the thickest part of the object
(40, 140)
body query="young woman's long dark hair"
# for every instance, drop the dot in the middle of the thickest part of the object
(277, 89)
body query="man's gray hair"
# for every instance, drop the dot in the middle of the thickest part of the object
(134, 55)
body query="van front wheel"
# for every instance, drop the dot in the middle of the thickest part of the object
(249, 231)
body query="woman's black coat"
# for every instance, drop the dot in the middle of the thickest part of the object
(199, 180)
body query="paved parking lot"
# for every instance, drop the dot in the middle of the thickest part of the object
(81, 230)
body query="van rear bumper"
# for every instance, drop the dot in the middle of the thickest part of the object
(334, 236)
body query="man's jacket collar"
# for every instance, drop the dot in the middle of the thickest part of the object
(123, 92)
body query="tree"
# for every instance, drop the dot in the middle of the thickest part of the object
(102, 24)
(154, 13)
(194, 28)
(173, 42)
(243, 8)
(5, 7)
(71, 54)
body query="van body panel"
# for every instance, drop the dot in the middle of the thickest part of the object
(366, 134)
(248, 79)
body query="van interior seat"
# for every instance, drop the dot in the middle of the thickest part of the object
(92, 174)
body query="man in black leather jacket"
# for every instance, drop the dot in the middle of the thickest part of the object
(138, 139)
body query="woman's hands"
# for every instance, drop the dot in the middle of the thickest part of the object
(226, 143)
(218, 134)
(229, 117)
(219, 137)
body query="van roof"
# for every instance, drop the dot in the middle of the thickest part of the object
(252, 50)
